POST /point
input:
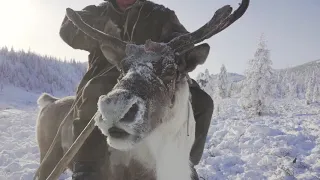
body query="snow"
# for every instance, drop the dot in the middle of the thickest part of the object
(237, 147)
(19, 154)
(263, 147)
(18, 149)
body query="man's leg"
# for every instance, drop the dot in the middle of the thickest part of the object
(91, 156)
(202, 105)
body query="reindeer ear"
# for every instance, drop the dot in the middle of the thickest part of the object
(195, 56)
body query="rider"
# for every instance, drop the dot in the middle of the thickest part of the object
(138, 21)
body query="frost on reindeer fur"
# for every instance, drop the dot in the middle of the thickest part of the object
(166, 141)
(110, 112)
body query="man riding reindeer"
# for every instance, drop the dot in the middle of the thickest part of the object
(134, 21)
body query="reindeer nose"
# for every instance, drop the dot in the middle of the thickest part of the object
(121, 106)
(131, 114)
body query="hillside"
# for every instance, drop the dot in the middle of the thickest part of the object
(294, 80)
(286, 82)
(36, 73)
(208, 81)
(308, 67)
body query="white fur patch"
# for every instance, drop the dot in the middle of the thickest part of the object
(170, 142)
(168, 145)
(167, 149)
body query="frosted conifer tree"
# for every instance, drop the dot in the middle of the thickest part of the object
(257, 87)
(222, 82)
(205, 82)
(291, 87)
(292, 90)
(38, 73)
(230, 89)
(278, 89)
(203, 78)
(309, 92)
(310, 89)
(316, 93)
(285, 83)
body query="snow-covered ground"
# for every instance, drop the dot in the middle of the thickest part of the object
(282, 145)
(19, 154)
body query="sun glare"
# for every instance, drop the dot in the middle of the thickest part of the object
(17, 18)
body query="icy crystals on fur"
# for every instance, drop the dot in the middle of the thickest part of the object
(143, 94)
(115, 111)
(150, 124)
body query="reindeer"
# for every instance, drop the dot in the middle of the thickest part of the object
(147, 117)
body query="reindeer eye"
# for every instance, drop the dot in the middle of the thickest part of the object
(123, 67)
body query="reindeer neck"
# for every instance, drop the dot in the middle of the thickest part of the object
(170, 144)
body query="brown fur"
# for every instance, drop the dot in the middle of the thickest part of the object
(52, 112)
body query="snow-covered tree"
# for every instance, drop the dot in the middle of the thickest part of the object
(310, 89)
(292, 89)
(33, 72)
(205, 81)
(1, 86)
(257, 85)
(230, 89)
(309, 93)
(222, 82)
(203, 78)
(278, 91)
(316, 93)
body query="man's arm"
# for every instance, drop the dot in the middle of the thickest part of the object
(74, 37)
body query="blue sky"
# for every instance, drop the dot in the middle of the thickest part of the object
(291, 28)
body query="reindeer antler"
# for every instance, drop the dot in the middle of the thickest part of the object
(94, 33)
(221, 20)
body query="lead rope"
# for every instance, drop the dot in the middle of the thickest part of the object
(134, 26)
(189, 102)
(125, 28)
(188, 119)
(49, 151)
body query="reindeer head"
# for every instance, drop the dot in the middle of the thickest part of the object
(154, 77)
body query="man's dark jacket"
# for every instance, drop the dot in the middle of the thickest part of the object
(150, 21)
